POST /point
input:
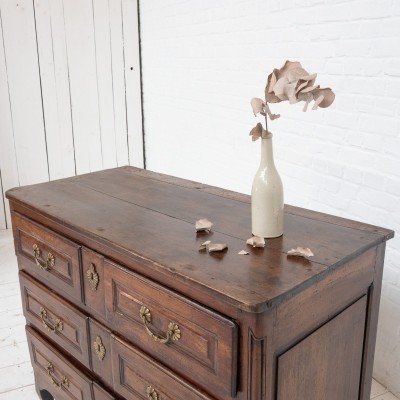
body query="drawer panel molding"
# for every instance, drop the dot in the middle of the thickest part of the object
(55, 318)
(49, 257)
(173, 329)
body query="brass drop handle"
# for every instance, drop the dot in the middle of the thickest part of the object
(93, 277)
(173, 331)
(58, 326)
(45, 265)
(99, 348)
(151, 393)
(64, 382)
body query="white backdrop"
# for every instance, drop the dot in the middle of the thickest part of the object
(202, 62)
(70, 98)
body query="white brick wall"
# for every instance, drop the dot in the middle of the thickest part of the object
(204, 59)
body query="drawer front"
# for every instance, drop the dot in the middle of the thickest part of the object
(100, 344)
(55, 318)
(198, 343)
(48, 256)
(54, 373)
(100, 394)
(138, 377)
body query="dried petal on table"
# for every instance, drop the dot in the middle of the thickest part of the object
(216, 247)
(300, 252)
(256, 241)
(243, 253)
(211, 247)
(204, 245)
(203, 225)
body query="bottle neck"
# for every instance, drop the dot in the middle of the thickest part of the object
(267, 154)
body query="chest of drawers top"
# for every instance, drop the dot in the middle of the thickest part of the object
(145, 221)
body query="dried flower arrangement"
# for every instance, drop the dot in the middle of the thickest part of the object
(290, 83)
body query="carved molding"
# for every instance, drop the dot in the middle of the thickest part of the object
(257, 358)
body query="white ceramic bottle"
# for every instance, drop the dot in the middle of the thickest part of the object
(267, 195)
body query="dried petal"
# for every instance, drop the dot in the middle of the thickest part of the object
(203, 225)
(306, 104)
(279, 88)
(300, 252)
(216, 247)
(269, 89)
(258, 106)
(204, 245)
(256, 241)
(243, 253)
(297, 73)
(318, 101)
(289, 65)
(328, 94)
(271, 116)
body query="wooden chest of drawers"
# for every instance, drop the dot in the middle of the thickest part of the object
(120, 302)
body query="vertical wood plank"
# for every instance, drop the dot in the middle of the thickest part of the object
(78, 15)
(55, 87)
(24, 88)
(118, 76)
(3, 223)
(8, 157)
(132, 81)
(101, 22)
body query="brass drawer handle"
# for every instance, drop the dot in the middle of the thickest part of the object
(58, 326)
(151, 393)
(173, 331)
(93, 277)
(99, 348)
(64, 382)
(45, 265)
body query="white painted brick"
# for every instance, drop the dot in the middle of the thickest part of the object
(202, 61)
(374, 180)
(393, 187)
(378, 199)
(379, 125)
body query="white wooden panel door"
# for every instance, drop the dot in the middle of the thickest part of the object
(70, 91)
(132, 81)
(19, 39)
(53, 62)
(8, 161)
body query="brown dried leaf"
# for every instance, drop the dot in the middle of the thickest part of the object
(256, 241)
(257, 132)
(300, 252)
(258, 106)
(203, 225)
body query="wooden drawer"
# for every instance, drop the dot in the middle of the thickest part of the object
(138, 377)
(205, 345)
(54, 373)
(55, 318)
(48, 256)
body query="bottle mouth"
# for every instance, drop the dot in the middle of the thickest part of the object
(267, 136)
